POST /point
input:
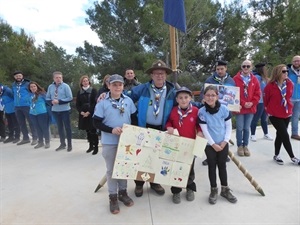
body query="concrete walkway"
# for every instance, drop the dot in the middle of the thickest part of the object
(44, 187)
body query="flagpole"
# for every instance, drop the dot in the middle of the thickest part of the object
(173, 55)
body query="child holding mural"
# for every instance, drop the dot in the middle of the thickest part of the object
(109, 116)
(215, 122)
(184, 118)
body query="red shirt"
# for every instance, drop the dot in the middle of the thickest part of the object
(189, 127)
(253, 93)
(273, 98)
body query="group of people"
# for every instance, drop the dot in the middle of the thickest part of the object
(158, 105)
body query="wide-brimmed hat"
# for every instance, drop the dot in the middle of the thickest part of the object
(159, 65)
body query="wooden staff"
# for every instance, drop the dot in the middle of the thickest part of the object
(101, 183)
(246, 174)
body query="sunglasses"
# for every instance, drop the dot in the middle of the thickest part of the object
(284, 71)
(246, 66)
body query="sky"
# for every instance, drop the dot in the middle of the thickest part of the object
(59, 21)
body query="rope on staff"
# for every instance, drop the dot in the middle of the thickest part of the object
(246, 173)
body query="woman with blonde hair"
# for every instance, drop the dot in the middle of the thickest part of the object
(277, 100)
(85, 105)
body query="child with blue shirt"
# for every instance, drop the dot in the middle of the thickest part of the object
(109, 116)
(215, 122)
(39, 115)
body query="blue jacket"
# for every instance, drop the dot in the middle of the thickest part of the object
(294, 78)
(7, 99)
(141, 94)
(64, 96)
(39, 106)
(21, 94)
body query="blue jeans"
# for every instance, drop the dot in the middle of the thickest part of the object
(262, 115)
(22, 114)
(41, 123)
(243, 122)
(63, 123)
(295, 117)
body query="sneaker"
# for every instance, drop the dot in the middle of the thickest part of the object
(138, 191)
(176, 198)
(253, 138)
(2, 139)
(23, 142)
(39, 145)
(296, 137)
(246, 151)
(61, 147)
(268, 137)
(123, 197)
(213, 196)
(190, 196)
(278, 159)
(7, 140)
(204, 162)
(240, 151)
(16, 140)
(226, 193)
(34, 142)
(296, 161)
(47, 145)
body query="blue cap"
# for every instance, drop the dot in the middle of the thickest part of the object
(184, 89)
(116, 78)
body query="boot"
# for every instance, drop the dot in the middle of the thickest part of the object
(113, 204)
(123, 197)
(91, 147)
(213, 195)
(95, 149)
(226, 193)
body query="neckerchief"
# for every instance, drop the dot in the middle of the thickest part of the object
(186, 113)
(33, 100)
(212, 110)
(296, 71)
(19, 88)
(118, 104)
(56, 90)
(157, 97)
(246, 81)
(282, 89)
(219, 79)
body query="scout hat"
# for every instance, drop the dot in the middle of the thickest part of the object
(159, 65)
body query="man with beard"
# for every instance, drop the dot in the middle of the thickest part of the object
(294, 75)
(22, 107)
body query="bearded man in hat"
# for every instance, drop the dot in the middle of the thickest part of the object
(219, 77)
(155, 100)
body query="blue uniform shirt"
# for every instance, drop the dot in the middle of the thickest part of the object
(112, 116)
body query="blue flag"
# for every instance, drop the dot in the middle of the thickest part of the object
(174, 14)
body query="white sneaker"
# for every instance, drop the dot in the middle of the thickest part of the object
(296, 161)
(268, 137)
(253, 138)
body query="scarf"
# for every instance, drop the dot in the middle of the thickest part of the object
(220, 80)
(157, 97)
(186, 113)
(85, 88)
(118, 104)
(212, 110)
(246, 81)
(19, 88)
(296, 71)
(282, 89)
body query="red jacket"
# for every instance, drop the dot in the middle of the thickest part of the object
(273, 98)
(190, 125)
(253, 93)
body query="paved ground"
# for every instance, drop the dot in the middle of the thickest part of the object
(43, 187)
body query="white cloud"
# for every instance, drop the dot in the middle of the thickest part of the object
(59, 21)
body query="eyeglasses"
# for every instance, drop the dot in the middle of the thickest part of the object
(210, 96)
(246, 66)
(284, 71)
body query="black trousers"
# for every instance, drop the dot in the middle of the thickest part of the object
(214, 160)
(2, 125)
(282, 136)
